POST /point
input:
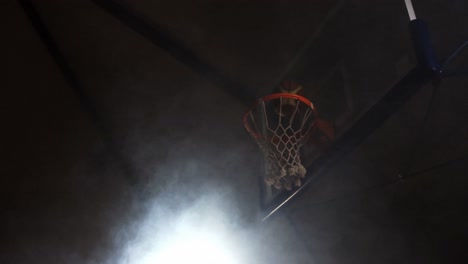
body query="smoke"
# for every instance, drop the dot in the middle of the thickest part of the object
(201, 231)
(198, 185)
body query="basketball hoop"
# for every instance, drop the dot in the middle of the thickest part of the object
(280, 123)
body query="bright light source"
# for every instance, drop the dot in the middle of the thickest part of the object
(196, 248)
(199, 234)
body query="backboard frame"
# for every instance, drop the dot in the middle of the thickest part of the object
(372, 119)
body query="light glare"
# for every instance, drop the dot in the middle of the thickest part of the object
(200, 248)
(202, 233)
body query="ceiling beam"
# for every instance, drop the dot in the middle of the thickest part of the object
(165, 41)
(87, 105)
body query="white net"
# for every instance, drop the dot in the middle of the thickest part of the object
(280, 124)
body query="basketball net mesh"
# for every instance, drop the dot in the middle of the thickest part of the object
(280, 126)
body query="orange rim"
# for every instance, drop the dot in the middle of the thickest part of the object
(271, 97)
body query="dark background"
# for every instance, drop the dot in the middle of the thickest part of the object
(90, 182)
